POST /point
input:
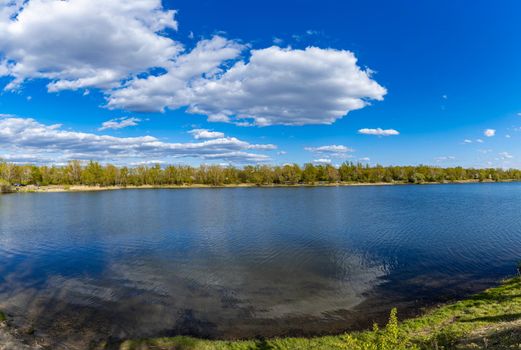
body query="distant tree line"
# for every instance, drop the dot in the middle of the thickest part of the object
(95, 174)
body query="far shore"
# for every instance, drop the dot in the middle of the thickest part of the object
(87, 188)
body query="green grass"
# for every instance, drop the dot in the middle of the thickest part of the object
(489, 320)
(3, 318)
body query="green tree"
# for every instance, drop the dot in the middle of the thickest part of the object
(92, 174)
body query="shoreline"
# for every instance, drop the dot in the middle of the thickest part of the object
(490, 319)
(89, 188)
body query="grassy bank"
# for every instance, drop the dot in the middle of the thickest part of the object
(489, 320)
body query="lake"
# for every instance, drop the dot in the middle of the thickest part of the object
(245, 262)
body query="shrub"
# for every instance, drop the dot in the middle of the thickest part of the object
(388, 338)
(5, 187)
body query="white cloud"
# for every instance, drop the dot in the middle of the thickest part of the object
(378, 132)
(335, 151)
(52, 144)
(119, 123)
(205, 134)
(123, 48)
(287, 87)
(322, 161)
(174, 88)
(364, 159)
(508, 136)
(489, 132)
(505, 155)
(479, 141)
(20, 158)
(276, 86)
(84, 43)
(329, 149)
(148, 162)
(467, 141)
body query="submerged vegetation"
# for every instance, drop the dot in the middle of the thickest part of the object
(95, 174)
(489, 320)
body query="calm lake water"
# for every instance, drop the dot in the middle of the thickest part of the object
(228, 263)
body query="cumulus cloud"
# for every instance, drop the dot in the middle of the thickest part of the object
(148, 162)
(287, 87)
(205, 134)
(119, 123)
(322, 161)
(84, 43)
(378, 132)
(336, 151)
(329, 149)
(467, 141)
(52, 144)
(276, 86)
(489, 132)
(20, 158)
(174, 89)
(125, 49)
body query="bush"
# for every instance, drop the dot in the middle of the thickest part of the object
(388, 338)
(5, 187)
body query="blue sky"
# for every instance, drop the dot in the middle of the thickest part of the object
(276, 81)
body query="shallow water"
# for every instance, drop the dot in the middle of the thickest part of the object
(233, 263)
